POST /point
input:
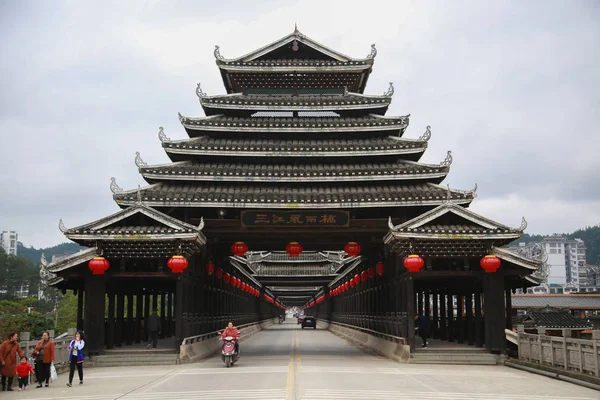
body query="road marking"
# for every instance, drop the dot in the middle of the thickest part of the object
(404, 371)
(315, 394)
(291, 395)
(211, 394)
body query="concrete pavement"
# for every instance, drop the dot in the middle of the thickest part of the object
(285, 362)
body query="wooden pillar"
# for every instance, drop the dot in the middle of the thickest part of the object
(178, 310)
(110, 321)
(139, 303)
(94, 303)
(130, 321)
(450, 315)
(460, 332)
(80, 294)
(494, 322)
(162, 314)
(419, 300)
(478, 325)
(119, 326)
(145, 315)
(410, 310)
(170, 315)
(508, 297)
(470, 326)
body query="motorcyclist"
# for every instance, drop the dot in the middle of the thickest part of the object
(233, 332)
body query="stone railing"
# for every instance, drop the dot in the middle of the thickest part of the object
(61, 346)
(579, 355)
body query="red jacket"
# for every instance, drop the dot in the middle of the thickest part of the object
(233, 332)
(23, 370)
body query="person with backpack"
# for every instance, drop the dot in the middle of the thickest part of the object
(8, 360)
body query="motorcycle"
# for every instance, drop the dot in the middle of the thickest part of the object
(228, 353)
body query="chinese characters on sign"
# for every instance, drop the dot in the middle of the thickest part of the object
(295, 218)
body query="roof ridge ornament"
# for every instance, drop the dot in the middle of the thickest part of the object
(391, 225)
(43, 260)
(201, 224)
(161, 135)
(217, 53)
(390, 91)
(448, 194)
(199, 92)
(181, 118)
(138, 160)
(427, 135)
(523, 225)
(114, 187)
(447, 161)
(62, 226)
(474, 191)
(373, 52)
(139, 195)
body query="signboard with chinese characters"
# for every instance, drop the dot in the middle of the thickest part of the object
(299, 219)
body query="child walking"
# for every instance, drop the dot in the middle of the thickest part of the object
(23, 371)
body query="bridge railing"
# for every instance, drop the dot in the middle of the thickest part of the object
(571, 354)
(385, 321)
(210, 335)
(61, 349)
(391, 323)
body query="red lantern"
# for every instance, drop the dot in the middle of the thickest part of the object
(371, 272)
(177, 264)
(98, 265)
(347, 286)
(352, 283)
(364, 276)
(219, 273)
(356, 279)
(490, 263)
(352, 249)
(226, 277)
(210, 267)
(380, 267)
(235, 281)
(413, 263)
(239, 249)
(294, 249)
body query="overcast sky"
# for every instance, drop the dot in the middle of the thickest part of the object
(511, 87)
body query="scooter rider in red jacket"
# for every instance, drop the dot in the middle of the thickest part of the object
(233, 332)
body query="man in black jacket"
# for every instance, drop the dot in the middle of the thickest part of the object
(153, 326)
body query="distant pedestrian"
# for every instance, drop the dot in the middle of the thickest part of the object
(8, 360)
(44, 357)
(76, 358)
(23, 370)
(154, 327)
(422, 328)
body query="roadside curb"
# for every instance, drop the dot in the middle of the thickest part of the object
(554, 375)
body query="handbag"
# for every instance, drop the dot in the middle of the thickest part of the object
(53, 374)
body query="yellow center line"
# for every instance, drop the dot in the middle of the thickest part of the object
(291, 395)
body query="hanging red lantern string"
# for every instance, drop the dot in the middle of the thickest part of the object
(294, 249)
(177, 264)
(490, 263)
(98, 265)
(352, 249)
(210, 267)
(226, 277)
(413, 263)
(356, 279)
(352, 283)
(219, 273)
(371, 272)
(380, 267)
(239, 249)
(364, 276)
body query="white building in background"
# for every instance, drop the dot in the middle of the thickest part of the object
(8, 241)
(555, 248)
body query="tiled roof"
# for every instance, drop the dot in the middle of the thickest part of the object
(292, 102)
(284, 196)
(296, 63)
(134, 230)
(282, 124)
(205, 145)
(293, 172)
(572, 301)
(552, 318)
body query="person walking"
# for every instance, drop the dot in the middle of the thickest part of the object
(153, 329)
(44, 357)
(76, 358)
(23, 371)
(422, 328)
(8, 360)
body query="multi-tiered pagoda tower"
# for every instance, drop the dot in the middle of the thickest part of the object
(294, 152)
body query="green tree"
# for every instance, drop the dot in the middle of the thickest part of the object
(67, 312)
(19, 315)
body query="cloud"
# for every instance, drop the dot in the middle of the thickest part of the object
(510, 88)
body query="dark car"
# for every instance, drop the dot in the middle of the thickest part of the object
(309, 322)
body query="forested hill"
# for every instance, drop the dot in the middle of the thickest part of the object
(590, 235)
(34, 254)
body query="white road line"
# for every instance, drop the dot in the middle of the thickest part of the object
(212, 394)
(234, 370)
(381, 394)
(396, 371)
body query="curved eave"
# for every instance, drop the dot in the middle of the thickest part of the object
(152, 178)
(279, 153)
(444, 236)
(73, 260)
(293, 205)
(322, 67)
(194, 129)
(139, 236)
(516, 259)
(272, 105)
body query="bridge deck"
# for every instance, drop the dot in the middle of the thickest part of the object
(285, 362)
